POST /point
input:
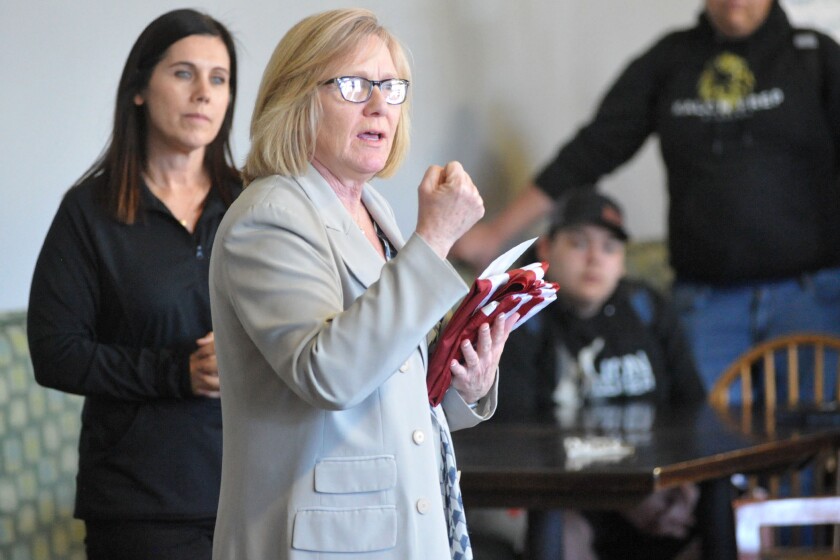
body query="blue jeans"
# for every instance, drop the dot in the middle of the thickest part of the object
(722, 322)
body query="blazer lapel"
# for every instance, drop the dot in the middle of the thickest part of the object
(353, 248)
(361, 259)
(383, 215)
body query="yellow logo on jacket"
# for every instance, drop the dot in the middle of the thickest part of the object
(726, 90)
(726, 80)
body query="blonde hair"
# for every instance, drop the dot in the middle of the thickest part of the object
(287, 112)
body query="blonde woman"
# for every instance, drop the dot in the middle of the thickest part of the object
(332, 449)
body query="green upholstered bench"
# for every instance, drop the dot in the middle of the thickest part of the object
(648, 260)
(39, 433)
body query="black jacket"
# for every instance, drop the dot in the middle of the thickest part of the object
(635, 322)
(114, 312)
(749, 132)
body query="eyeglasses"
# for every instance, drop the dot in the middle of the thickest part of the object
(356, 89)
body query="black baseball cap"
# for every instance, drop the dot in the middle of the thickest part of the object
(588, 207)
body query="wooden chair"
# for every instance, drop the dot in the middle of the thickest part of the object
(752, 517)
(767, 355)
(794, 378)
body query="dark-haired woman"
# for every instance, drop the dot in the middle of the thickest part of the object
(119, 308)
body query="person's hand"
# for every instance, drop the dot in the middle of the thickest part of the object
(666, 513)
(449, 204)
(204, 371)
(478, 247)
(475, 377)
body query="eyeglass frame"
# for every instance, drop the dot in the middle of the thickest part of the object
(373, 83)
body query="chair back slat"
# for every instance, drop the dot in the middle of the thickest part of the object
(819, 372)
(770, 379)
(793, 373)
(746, 385)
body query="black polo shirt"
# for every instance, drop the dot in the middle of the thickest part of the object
(114, 313)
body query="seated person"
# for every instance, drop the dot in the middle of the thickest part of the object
(605, 340)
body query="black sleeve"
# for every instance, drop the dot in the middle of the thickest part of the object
(620, 126)
(830, 59)
(67, 349)
(525, 373)
(686, 386)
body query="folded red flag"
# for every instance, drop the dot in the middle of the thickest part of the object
(522, 291)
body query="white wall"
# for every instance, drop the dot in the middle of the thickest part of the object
(498, 84)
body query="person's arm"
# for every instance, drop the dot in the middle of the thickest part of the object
(473, 394)
(830, 72)
(484, 242)
(625, 118)
(280, 273)
(332, 341)
(460, 415)
(622, 123)
(68, 351)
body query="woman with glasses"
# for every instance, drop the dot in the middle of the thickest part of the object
(119, 309)
(331, 446)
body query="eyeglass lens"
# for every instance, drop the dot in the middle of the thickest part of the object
(359, 90)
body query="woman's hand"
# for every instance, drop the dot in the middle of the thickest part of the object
(475, 377)
(449, 204)
(204, 371)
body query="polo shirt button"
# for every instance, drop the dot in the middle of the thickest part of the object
(418, 436)
(404, 367)
(423, 506)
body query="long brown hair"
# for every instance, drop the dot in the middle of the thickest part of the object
(124, 158)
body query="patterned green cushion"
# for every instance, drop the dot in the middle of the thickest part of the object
(648, 260)
(39, 433)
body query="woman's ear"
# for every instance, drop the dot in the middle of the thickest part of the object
(138, 99)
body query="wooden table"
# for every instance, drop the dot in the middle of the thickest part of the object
(525, 464)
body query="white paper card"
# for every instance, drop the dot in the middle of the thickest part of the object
(504, 262)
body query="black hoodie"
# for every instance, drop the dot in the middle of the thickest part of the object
(749, 132)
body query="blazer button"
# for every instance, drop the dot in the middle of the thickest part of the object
(418, 436)
(404, 367)
(423, 506)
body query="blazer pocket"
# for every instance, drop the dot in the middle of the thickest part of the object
(345, 529)
(353, 475)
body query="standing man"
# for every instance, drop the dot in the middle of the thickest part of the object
(747, 110)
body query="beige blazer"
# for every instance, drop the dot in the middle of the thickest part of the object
(329, 447)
